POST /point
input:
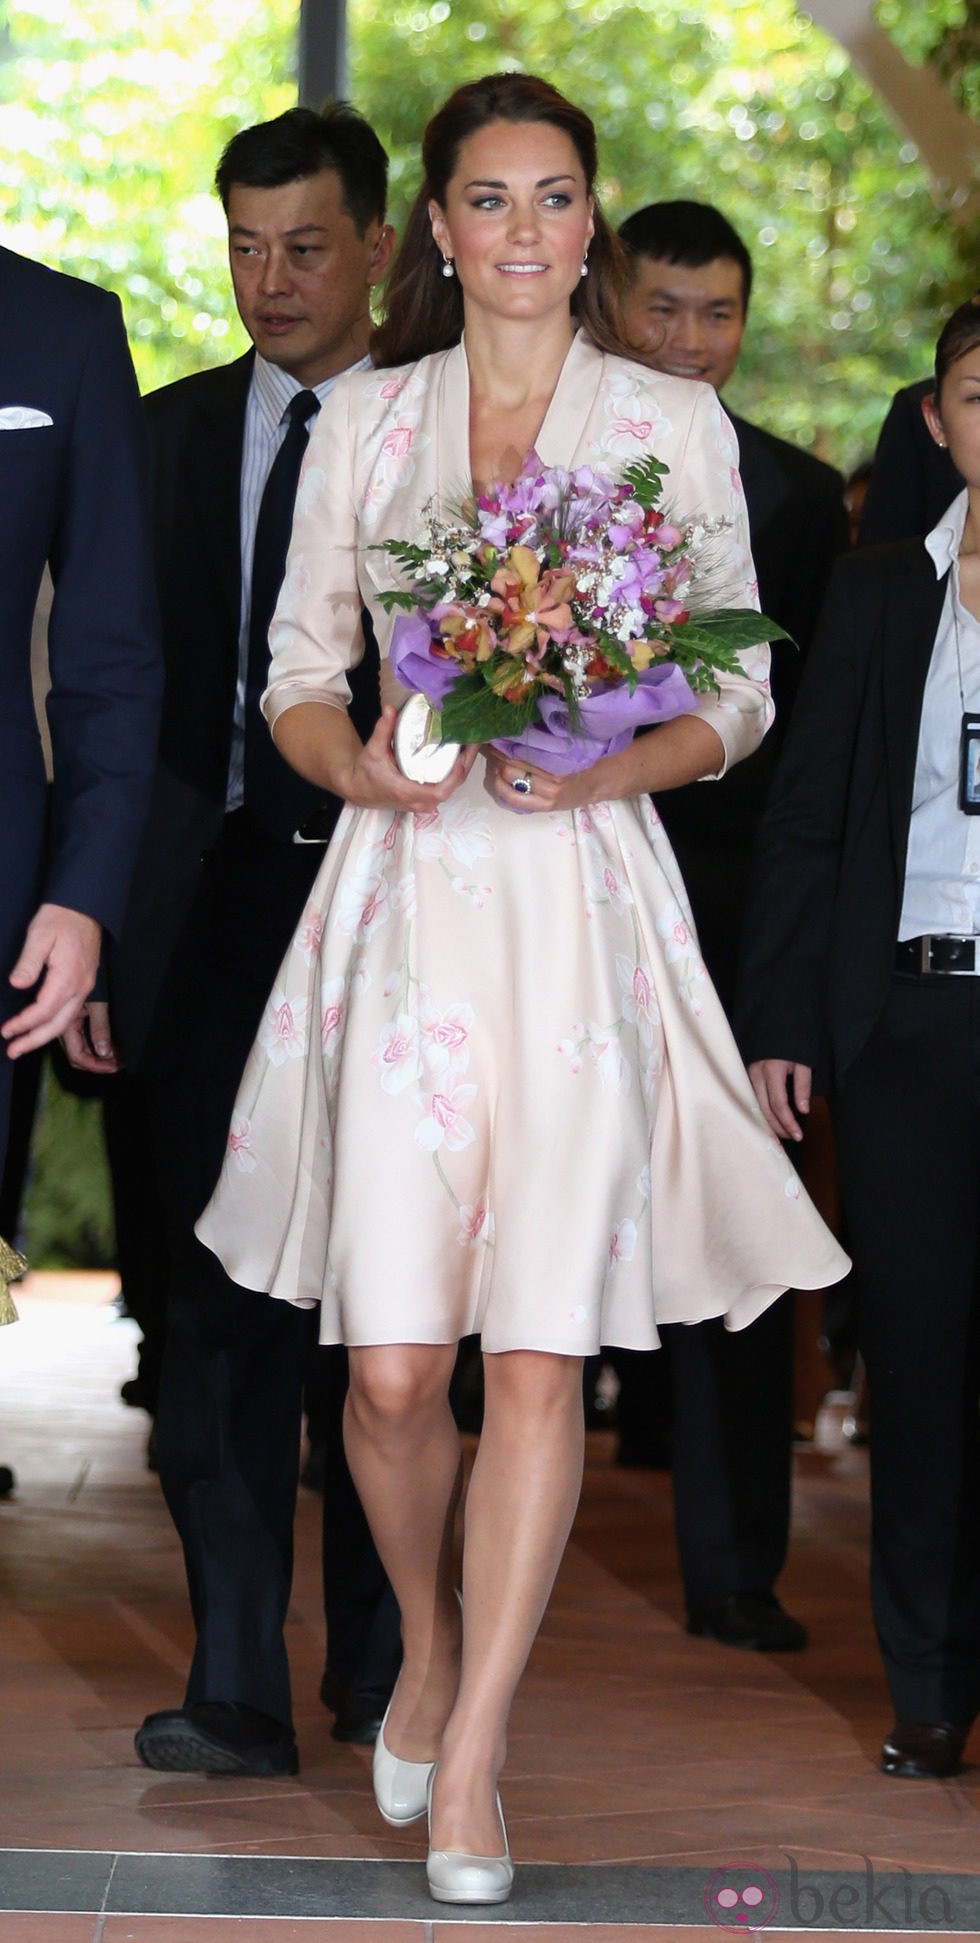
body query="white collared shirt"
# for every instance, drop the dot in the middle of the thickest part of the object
(942, 866)
(265, 428)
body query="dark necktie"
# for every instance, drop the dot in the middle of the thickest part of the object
(277, 800)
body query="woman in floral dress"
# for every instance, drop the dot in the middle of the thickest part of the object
(494, 1091)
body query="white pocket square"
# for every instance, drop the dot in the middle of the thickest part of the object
(18, 418)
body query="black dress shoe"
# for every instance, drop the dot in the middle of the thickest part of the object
(357, 1716)
(216, 1737)
(923, 1750)
(753, 1620)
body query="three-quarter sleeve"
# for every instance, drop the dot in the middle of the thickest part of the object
(316, 635)
(711, 491)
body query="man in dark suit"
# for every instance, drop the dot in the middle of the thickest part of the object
(860, 972)
(687, 310)
(73, 480)
(234, 841)
(912, 478)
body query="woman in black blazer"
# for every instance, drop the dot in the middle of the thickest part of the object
(861, 970)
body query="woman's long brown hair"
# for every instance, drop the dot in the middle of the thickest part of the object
(423, 310)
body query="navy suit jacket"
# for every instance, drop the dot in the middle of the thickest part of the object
(197, 432)
(74, 493)
(829, 872)
(797, 526)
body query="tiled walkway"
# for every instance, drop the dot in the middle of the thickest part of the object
(642, 1762)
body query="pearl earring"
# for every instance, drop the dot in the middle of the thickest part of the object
(447, 267)
(585, 267)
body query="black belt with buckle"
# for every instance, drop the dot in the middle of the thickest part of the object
(949, 957)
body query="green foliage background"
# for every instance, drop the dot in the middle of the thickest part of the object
(113, 113)
(68, 1206)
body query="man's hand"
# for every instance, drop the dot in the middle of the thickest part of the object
(88, 1040)
(61, 950)
(771, 1084)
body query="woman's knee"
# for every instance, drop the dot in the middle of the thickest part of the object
(533, 1381)
(397, 1383)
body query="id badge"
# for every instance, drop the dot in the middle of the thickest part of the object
(969, 797)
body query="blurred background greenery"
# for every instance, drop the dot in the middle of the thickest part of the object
(113, 113)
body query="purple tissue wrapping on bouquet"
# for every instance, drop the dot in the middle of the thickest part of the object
(607, 722)
(414, 663)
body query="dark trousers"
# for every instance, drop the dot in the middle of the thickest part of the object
(732, 1449)
(731, 1390)
(21, 1078)
(908, 1131)
(233, 1371)
(142, 1256)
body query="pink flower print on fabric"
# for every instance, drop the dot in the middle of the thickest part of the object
(610, 1062)
(395, 444)
(458, 829)
(333, 1011)
(622, 1242)
(571, 1048)
(404, 896)
(606, 883)
(398, 443)
(478, 892)
(444, 1124)
(475, 1225)
(681, 952)
(397, 1059)
(309, 936)
(598, 816)
(634, 419)
(364, 899)
(240, 1144)
(445, 1037)
(676, 933)
(639, 1006)
(282, 1033)
(651, 1073)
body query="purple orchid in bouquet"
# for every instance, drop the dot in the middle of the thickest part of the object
(551, 617)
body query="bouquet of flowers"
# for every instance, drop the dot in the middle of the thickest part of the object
(556, 615)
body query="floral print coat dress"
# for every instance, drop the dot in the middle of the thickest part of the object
(493, 1090)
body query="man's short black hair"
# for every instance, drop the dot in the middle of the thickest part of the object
(302, 142)
(693, 233)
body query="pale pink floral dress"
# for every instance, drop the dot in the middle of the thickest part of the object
(493, 1090)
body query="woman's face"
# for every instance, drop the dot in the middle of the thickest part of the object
(953, 417)
(517, 221)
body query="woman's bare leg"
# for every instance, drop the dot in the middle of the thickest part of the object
(404, 1454)
(519, 1509)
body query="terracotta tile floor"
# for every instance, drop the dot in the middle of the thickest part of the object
(662, 1759)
